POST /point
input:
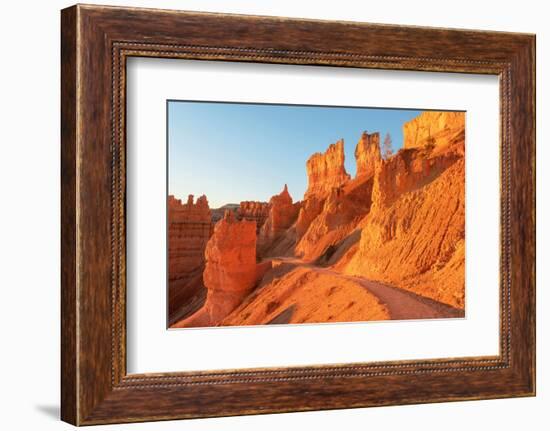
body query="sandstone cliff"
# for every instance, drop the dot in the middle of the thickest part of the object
(189, 228)
(417, 242)
(309, 210)
(413, 236)
(433, 129)
(230, 273)
(326, 171)
(409, 170)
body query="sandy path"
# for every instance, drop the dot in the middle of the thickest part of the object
(401, 303)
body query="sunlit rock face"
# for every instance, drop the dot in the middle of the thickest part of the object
(331, 210)
(367, 154)
(283, 212)
(326, 171)
(231, 270)
(413, 237)
(433, 129)
(400, 221)
(409, 170)
(309, 210)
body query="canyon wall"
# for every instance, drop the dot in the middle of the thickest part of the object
(413, 236)
(338, 217)
(189, 229)
(309, 210)
(326, 171)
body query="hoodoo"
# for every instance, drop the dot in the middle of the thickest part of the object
(282, 215)
(326, 171)
(231, 271)
(367, 154)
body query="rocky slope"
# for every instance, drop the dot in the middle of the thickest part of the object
(339, 216)
(303, 295)
(417, 241)
(413, 236)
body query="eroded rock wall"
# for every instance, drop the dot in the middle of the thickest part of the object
(409, 170)
(413, 236)
(417, 242)
(189, 229)
(433, 129)
(254, 211)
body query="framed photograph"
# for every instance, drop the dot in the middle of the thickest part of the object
(263, 214)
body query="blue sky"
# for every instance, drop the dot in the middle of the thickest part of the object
(235, 152)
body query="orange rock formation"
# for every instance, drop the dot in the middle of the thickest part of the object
(309, 210)
(326, 171)
(189, 228)
(413, 237)
(254, 211)
(340, 214)
(367, 154)
(417, 242)
(400, 221)
(433, 128)
(219, 213)
(282, 215)
(408, 170)
(231, 270)
(327, 218)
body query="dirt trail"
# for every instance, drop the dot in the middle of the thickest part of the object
(401, 303)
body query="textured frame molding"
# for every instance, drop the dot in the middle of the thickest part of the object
(96, 41)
